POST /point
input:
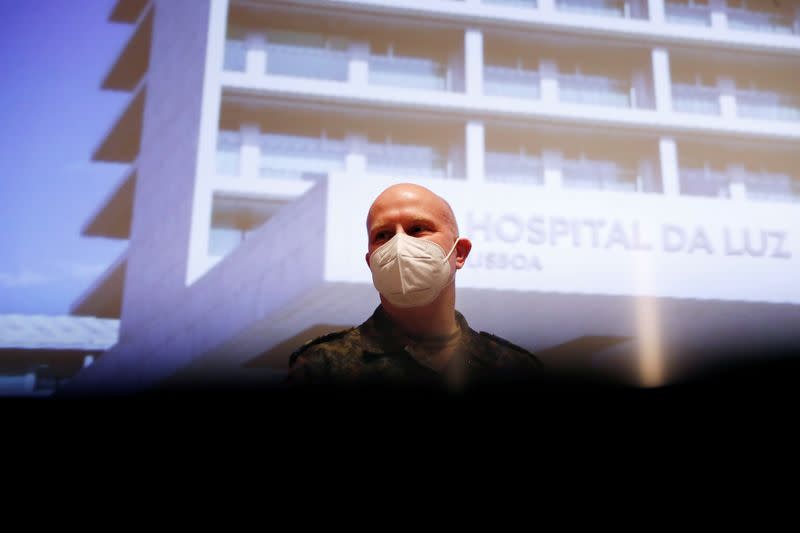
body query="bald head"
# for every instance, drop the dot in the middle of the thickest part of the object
(408, 202)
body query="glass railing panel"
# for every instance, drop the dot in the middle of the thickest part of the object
(687, 14)
(599, 175)
(222, 241)
(504, 167)
(508, 81)
(307, 62)
(745, 19)
(235, 56)
(406, 160)
(298, 157)
(228, 149)
(704, 182)
(514, 3)
(772, 187)
(593, 90)
(407, 72)
(767, 105)
(605, 8)
(695, 99)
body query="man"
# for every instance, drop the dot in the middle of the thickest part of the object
(415, 336)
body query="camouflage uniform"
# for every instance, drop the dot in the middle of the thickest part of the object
(377, 353)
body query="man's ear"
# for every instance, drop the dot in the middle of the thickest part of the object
(367, 258)
(463, 248)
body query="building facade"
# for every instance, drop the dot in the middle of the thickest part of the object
(625, 168)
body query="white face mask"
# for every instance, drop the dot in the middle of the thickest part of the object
(409, 271)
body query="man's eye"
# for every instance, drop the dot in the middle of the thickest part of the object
(415, 229)
(380, 236)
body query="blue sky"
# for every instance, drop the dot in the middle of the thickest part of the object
(53, 57)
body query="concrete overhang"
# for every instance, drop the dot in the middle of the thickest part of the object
(121, 144)
(132, 63)
(113, 218)
(104, 298)
(127, 11)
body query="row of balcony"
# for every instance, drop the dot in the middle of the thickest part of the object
(575, 88)
(283, 156)
(334, 61)
(753, 104)
(770, 186)
(700, 13)
(327, 63)
(295, 157)
(742, 16)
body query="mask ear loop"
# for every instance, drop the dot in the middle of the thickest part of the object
(447, 257)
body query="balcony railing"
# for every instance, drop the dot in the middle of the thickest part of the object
(307, 62)
(408, 72)
(298, 157)
(695, 99)
(746, 19)
(515, 3)
(772, 186)
(590, 174)
(508, 81)
(504, 167)
(687, 14)
(402, 160)
(704, 182)
(603, 8)
(767, 105)
(235, 55)
(594, 90)
(228, 146)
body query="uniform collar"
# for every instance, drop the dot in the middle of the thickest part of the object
(379, 335)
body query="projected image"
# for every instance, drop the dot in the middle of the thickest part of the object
(625, 170)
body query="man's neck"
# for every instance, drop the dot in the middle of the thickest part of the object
(437, 319)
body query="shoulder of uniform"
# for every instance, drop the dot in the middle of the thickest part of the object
(329, 337)
(508, 344)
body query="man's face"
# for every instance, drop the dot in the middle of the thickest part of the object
(412, 210)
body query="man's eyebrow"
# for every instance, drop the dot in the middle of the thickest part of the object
(383, 224)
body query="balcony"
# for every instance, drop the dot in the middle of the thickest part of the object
(505, 167)
(683, 13)
(763, 185)
(296, 157)
(695, 99)
(307, 62)
(767, 105)
(235, 57)
(513, 3)
(704, 182)
(228, 153)
(407, 160)
(234, 219)
(749, 20)
(594, 90)
(605, 8)
(511, 82)
(598, 175)
(771, 186)
(408, 72)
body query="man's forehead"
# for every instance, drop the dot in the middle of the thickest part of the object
(407, 202)
(407, 206)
